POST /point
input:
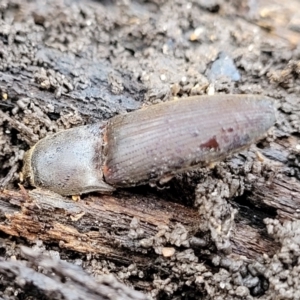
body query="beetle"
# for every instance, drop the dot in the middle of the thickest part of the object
(148, 145)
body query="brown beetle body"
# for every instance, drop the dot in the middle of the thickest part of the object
(147, 145)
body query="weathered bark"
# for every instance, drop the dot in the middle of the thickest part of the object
(101, 224)
(61, 280)
(99, 86)
(97, 224)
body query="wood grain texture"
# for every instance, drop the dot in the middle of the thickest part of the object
(102, 224)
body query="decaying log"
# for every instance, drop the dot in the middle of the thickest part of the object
(61, 280)
(102, 224)
(99, 86)
(68, 63)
